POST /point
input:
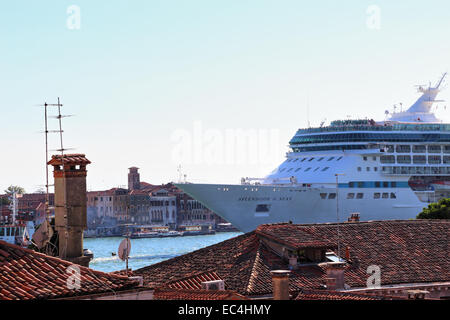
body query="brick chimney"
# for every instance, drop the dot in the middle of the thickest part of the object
(335, 275)
(280, 283)
(70, 205)
(134, 182)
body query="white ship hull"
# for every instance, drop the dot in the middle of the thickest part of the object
(238, 204)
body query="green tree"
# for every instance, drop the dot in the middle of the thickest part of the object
(17, 189)
(439, 210)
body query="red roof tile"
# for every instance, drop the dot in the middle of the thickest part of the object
(26, 274)
(195, 294)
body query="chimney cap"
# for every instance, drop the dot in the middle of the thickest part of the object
(280, 273)
(69, 159)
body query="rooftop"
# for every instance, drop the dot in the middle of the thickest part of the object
(26, 274)
(412, 251)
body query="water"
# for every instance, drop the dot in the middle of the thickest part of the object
(145, 252)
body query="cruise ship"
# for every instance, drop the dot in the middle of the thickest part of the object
(381, 170)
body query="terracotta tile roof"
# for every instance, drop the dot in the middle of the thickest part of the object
(335, 295)
(26, 274)
(194, 282)
(195, 294)
(412, 251)
(75, 159)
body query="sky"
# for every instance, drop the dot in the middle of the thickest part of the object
(216, 87)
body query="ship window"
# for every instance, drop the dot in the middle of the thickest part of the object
(403, 148)
(365, 158)
(338, 158)
(325, 169)
(418, 149)
(316, 169)
(393, 196)
(368, 169)
(350, 195)
(360, 184)
(434, 149)
(290, 170)
(390, 148)
(404, 159)
(374, 158)
(419, 159)
(296, 159)
(297, 169)
(2, 232)
(376, 195)
(303, 159)
(385, 195)
(446, 149)
(387, 159)
(351, 184)
(385, 184)
(375, 168)
(359, 168)
(377, 184)
(307, 169)
(332, 196)
(434, 159)
(281, 170)
(311, 159)
(393, 184)
(320, 159)
(323, 195)
(446, 159)
(333, 158)
(359, 195)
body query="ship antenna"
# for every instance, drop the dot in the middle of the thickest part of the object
(440, 81)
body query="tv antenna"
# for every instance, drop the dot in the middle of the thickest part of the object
(61, 149)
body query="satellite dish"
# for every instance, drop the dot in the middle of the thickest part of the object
(42, 235)
(124, 249)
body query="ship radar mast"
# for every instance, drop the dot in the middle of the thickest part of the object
(420, 111)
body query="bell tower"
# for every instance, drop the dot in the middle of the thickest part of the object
(69, 172)
(134, 182)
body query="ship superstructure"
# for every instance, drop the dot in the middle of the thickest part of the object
(382, 170)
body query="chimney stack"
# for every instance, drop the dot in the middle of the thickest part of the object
(70, 205)
(280, 283)
(335, 275)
